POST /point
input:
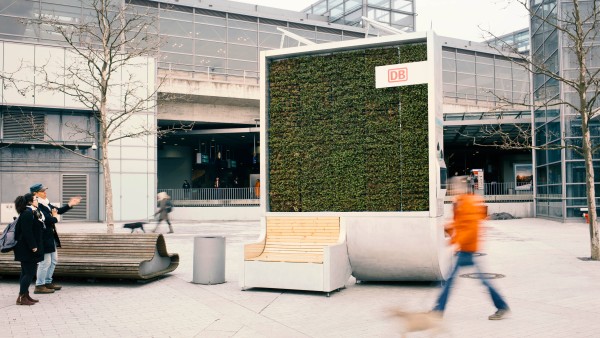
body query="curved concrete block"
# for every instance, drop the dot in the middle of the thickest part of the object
(382, 248)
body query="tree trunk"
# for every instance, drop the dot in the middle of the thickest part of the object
(108, 197)
(591, 191)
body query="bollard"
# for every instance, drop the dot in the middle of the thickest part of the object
(209, 260)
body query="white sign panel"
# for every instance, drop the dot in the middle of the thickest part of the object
(403, 74)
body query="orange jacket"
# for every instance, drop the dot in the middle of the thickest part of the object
(469, 211)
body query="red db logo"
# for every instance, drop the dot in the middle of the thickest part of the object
(397, 74)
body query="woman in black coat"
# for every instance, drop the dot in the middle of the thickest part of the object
(30, 248)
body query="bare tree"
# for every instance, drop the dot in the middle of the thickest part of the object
(576, 24)
(103, 51)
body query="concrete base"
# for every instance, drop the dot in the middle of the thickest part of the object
(396, 248)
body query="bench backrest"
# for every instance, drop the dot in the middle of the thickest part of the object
(308, 235)
(139, 246)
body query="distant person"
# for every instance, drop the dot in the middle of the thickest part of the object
(217, 183)
(236, 182)
(164, 205)
(469, 211)
(186, 187)
(45, 269)
(257, 188)
(30, 247)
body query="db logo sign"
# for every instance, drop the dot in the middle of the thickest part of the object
(398, 74)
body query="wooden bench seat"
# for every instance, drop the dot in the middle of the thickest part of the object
(301, 253)
(129, 256)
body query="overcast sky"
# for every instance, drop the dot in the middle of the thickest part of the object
(463, 19)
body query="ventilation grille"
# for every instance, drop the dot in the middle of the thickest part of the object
(273, 22)
(301, 26)
(24, 126)
(211, 13)
(75, 185)
(242, 17)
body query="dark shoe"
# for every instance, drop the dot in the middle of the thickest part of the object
(31, 299)
(500, 314)
(170, 232)
(22, 300)
(53, 286)
(42, 289)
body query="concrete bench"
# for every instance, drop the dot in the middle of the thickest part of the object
(298, 253)
(127, 256)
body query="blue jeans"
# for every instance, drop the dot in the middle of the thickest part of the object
(45, 269)
(466, 259)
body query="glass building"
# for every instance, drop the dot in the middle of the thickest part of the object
(399, 14)
(517, 39)
(560, 172)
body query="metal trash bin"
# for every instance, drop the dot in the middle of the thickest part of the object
(209, 260)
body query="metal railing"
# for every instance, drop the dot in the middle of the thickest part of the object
(213, 197)
(495, 192)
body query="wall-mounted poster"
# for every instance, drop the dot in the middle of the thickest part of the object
(523, 176)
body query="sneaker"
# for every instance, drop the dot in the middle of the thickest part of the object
(42, 289)
(500, 314)
(53, 286)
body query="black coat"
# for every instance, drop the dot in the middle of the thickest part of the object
(28, 233)
(50, 234)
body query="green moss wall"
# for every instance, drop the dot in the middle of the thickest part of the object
(336, 143)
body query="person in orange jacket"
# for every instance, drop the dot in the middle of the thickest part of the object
(469, 211)
(257, 188)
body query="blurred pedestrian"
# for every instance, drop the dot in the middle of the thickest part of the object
(257, 188)
(164, 207)
(469, 211)
(30, 248)
(45, 269)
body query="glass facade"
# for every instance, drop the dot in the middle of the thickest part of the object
(518, 39)
(477, 77)
(561, 191)
(222, 45)
(396, 13)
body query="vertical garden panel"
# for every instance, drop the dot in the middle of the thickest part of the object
(336, 143)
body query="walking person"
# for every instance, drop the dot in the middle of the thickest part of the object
(45, 269)
(469, 211)
(29, 249)
(164, 205)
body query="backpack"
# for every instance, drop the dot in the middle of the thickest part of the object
(169, 206)
(7, 240)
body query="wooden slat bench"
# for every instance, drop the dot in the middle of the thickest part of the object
(128, 256)
(301, 253)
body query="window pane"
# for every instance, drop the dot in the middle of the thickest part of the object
(403, 5)
(210, 48)
(175, 14)
(213, 20)
(243, 24)
(243, 65)
(242, 52)
(242, 37)
(380, 3)
(210, 32)
(178, 28)
(402, 19)
(269, 40)
(208, 62)
(178, 45)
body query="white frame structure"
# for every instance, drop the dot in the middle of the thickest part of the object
(405, 245)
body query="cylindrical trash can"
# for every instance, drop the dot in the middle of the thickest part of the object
(209, 260)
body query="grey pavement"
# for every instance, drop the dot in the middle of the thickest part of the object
(552, 293)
